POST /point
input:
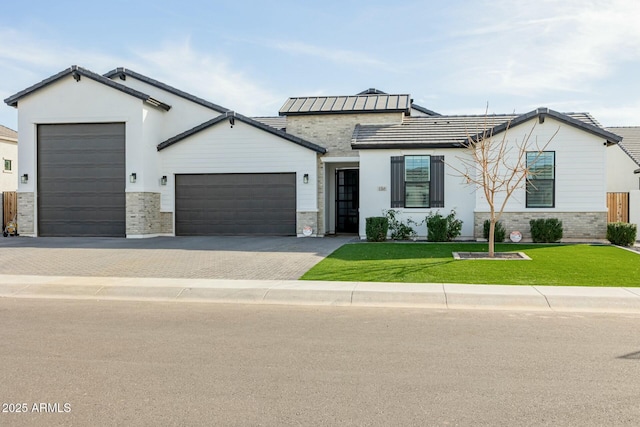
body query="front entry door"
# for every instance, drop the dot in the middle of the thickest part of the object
(347, 200)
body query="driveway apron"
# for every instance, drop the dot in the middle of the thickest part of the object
(225, 257)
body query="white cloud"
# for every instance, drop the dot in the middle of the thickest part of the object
(524, 48)
(340, 56)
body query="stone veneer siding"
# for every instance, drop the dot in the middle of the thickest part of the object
(166, 222)
(26, 212)
(333, 132)
(143, 214)
(304, 219)
(576, 225)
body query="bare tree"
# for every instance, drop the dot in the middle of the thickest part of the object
(498, 166)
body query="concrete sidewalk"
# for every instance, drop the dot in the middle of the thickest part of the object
(429, 295)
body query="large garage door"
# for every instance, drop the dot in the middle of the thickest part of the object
(81, 180)
(261, 203)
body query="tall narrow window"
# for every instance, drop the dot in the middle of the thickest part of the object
(541, 182)
(417, 176)
(7, 165)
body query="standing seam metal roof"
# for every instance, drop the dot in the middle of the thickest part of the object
(346, 104)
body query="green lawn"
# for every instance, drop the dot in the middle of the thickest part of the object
(558, 265)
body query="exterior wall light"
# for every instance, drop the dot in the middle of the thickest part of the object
(163, 180)
(132, 178)
(24, 178)
(305, 178)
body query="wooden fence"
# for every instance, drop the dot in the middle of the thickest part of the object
(618, 205)
(9, 206)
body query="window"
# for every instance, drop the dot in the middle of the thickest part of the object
(541, 182)
(417, 177)
(7, 165)
(417, 181)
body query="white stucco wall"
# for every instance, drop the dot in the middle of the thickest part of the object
(183, 115)
(620, 167)
(8, 179)
(375, 189)
(241, 149)
(87, 101)
(581, 161)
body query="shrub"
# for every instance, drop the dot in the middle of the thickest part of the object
(621, 233)
(546, 230)
(399, 230)
(377, 228)
(443, 229)
(499, 233)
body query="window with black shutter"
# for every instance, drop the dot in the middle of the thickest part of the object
(417, 181)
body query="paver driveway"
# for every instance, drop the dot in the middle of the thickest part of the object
(259, 258)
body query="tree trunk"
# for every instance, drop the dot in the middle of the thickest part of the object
(492, 243)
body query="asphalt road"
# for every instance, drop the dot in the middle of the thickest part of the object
(158, 364)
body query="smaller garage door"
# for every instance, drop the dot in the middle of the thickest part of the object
(236, 204)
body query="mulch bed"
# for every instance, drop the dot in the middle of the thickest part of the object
(485, 255)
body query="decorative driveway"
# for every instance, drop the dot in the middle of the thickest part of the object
(225, 257)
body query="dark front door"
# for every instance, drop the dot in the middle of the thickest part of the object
(347, 200)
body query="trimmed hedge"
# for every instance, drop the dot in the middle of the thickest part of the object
(443, 228)
(499, 233)
(546, 230)
(621, 233)
(377, 228)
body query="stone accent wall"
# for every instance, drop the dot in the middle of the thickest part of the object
(304, 219)
(577, 226)
(334, 131)
(143, 213)
(166, 222)
(26, 213)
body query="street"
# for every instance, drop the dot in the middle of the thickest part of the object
(65, 362)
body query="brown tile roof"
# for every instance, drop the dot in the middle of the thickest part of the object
(452, 131)
(6, 133)
(630, 143)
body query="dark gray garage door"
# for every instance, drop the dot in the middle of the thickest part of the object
(257, 204)
(81, 180)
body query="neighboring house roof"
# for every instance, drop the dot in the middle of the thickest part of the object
(630, 143)
(279, 123)
(231, 117)
(455, 131)
(8, 134)
(378, 103)
(123, 73)
(425, 110)
(78, 73)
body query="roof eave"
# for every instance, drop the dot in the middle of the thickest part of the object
(124, 72)
(406, 145)
(78, 72)
(541, 113)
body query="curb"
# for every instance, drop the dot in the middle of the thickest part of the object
(357, 294)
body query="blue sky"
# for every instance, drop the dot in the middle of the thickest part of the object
(453, 57)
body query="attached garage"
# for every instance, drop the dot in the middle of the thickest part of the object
(235, 204)
(81, 179)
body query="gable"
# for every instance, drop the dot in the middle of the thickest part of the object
(230, 118)
(77, 74)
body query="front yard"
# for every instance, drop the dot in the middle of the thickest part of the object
(555, 265)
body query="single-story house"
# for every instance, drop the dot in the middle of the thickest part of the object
(122, 154)
(9, 155)
(623, 175)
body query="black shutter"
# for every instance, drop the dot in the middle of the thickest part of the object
(436, 190)
(397, 182)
